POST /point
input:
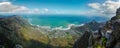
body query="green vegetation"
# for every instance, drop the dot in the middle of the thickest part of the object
(98, 45)
(118, 17)
(15, 30)
(104, 40)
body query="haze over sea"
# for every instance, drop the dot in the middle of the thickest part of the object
(62, 20)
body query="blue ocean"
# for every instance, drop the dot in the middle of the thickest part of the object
(62, 20)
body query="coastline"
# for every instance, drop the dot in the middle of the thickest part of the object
(59, 28)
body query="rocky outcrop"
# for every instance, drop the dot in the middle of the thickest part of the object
(83, 42)
(115, 35)
(118, 12)
(109, 35)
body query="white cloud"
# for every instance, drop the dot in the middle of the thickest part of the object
(46, 9)
(6, 0)
(108, 8)
(8, 7)
(95, 5)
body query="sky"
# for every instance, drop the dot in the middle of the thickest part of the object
(75, 7)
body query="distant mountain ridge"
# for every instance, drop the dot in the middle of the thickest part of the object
(93, 26)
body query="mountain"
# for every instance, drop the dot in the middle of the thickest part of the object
(107, 36)
(15, 31)
(93, 26)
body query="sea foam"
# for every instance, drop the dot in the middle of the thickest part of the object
(59, 28)
(56, 28)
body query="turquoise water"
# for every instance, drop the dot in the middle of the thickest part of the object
(62, 20)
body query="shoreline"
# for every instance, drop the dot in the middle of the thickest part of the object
(58, 28)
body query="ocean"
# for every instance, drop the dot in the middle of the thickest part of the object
(54, 21)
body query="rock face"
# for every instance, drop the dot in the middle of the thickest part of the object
(83, 42)
(110, 35)
(118, 12)
(115, 36)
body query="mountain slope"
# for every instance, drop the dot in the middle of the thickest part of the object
(17, 31)
(14, 30)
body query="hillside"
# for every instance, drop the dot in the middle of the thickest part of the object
(16, 31)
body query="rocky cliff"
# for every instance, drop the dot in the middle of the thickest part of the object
(114, 41)
(83, 41)
(107, 36)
